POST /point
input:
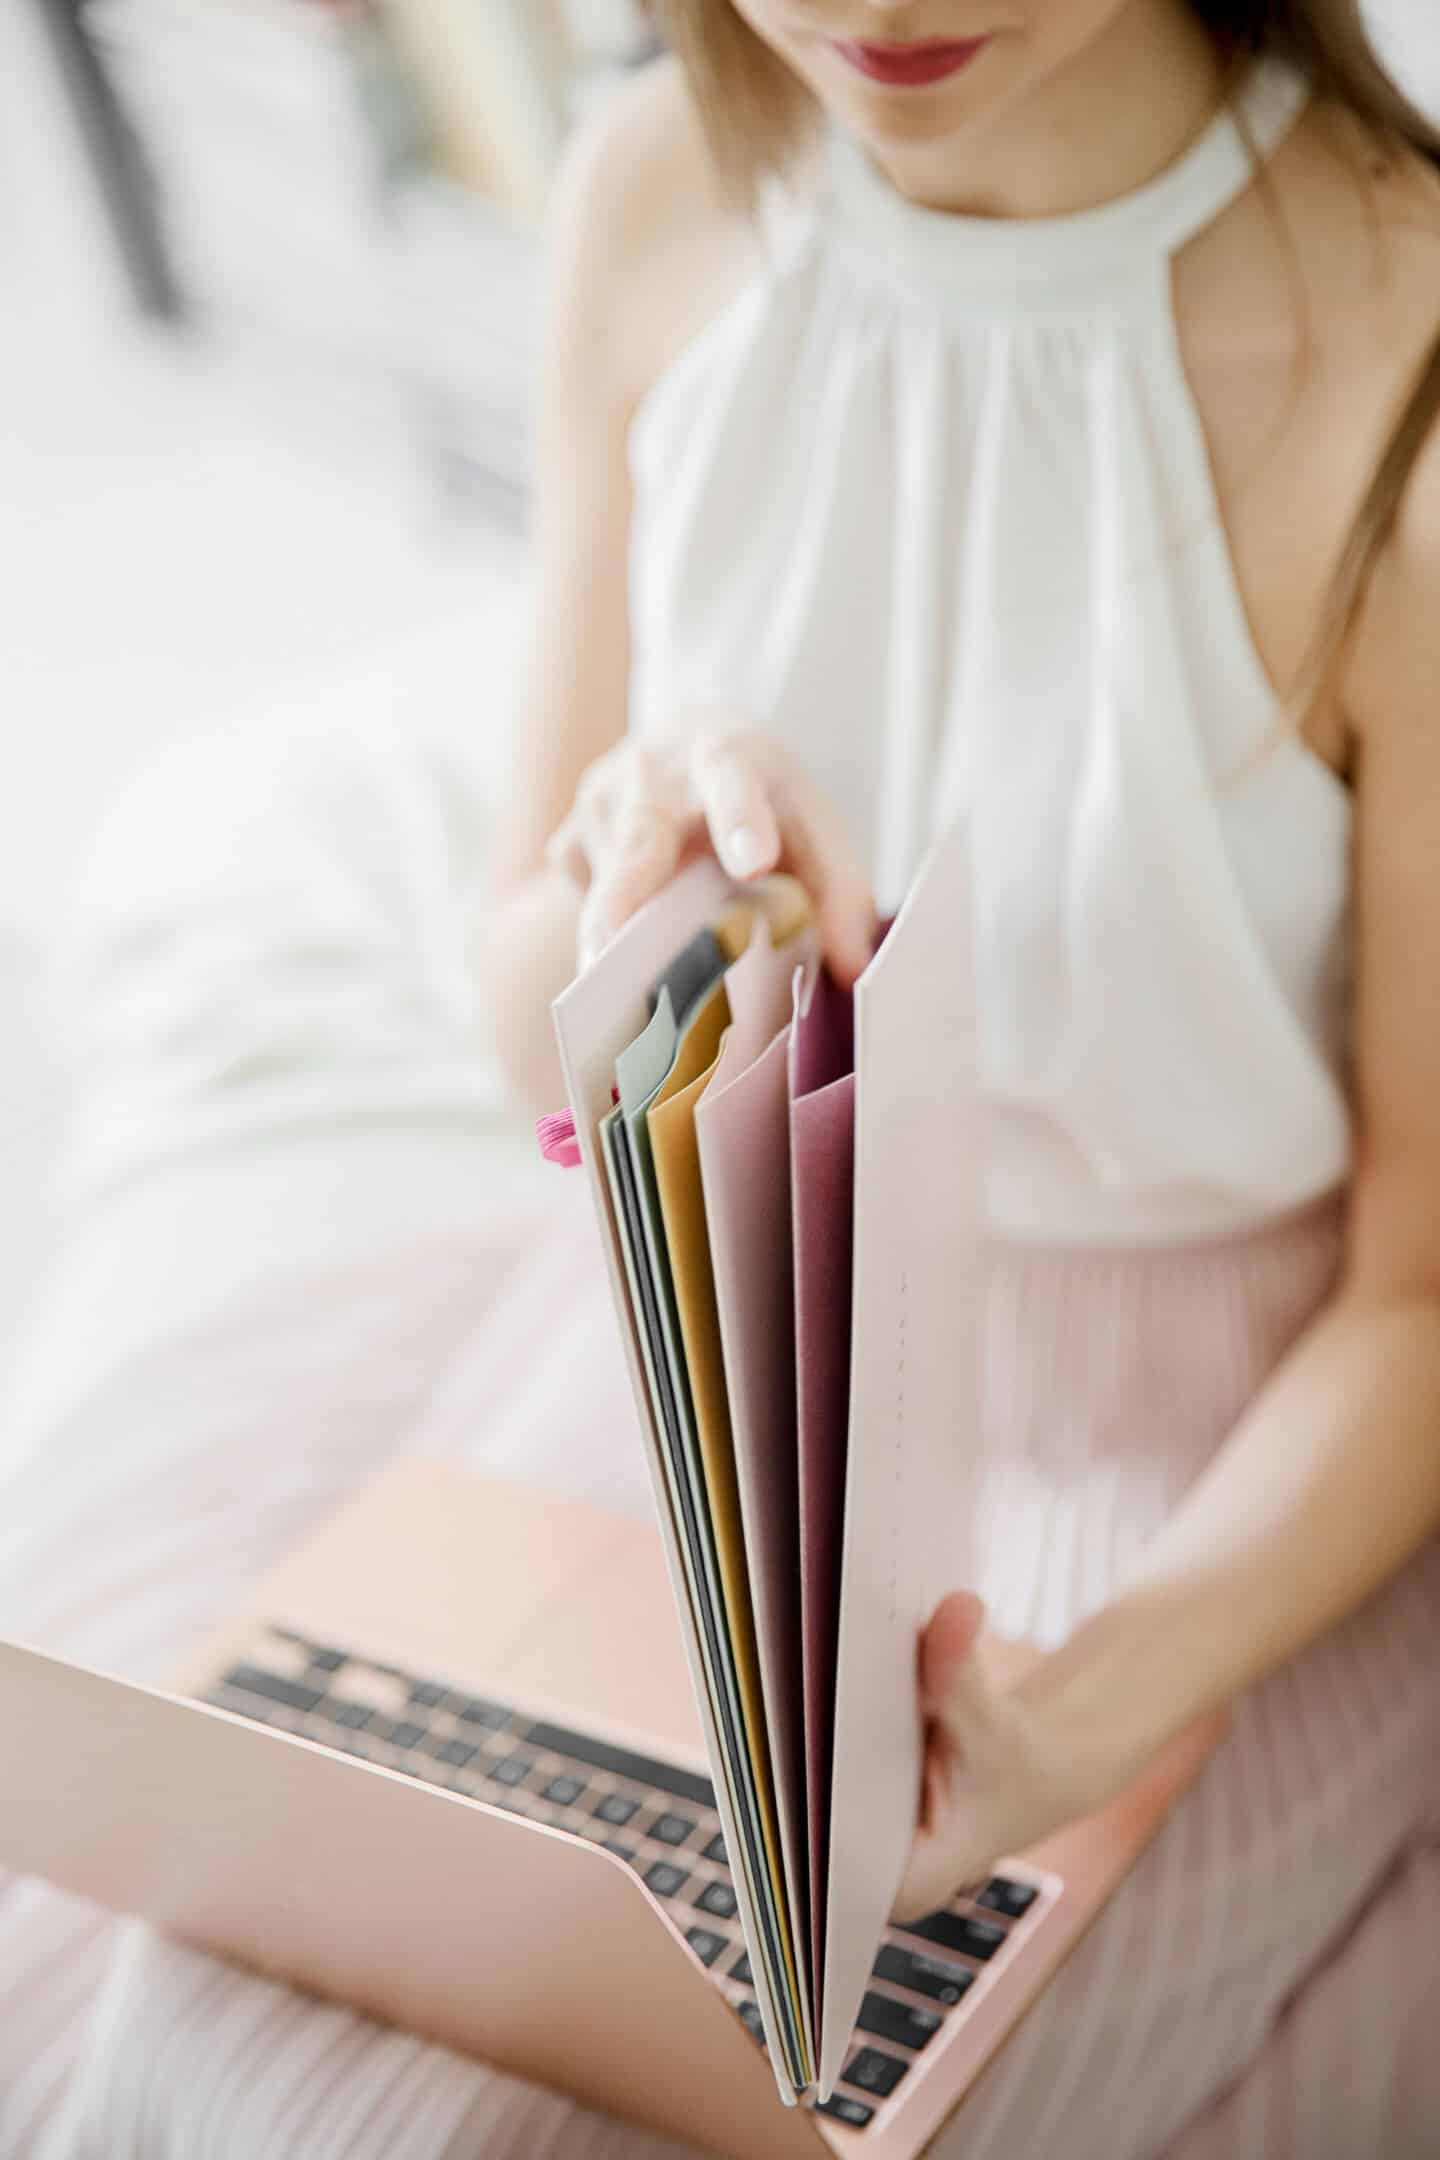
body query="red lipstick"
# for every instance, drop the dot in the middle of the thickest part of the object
(927, 60)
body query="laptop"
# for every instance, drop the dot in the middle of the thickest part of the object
(447, 1767)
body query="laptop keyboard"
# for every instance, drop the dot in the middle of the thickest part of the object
(660, 1819)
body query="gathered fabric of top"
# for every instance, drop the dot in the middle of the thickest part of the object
(930, 501)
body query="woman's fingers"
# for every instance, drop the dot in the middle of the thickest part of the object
(647, 832)
(642, 809)
(956, 1699)
(819, 850)
(578, 841)
(566, 851)
(762, 815)
(631, 876)
(950, 1682)
(961, 1729)
(733, 795)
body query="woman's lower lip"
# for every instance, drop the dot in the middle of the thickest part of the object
(910, 65)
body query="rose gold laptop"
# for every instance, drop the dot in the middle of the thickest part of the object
(447, 1767)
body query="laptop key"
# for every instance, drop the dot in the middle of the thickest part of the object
(843, 2109)
(740, 1970)
(636, 1769)
(564, 1791)
(474, 1710)
(512, 1770)
(717, 1898)
(706, 1945)
(427, 1694)
(615, 1807)
(455, 1752)
(671, 1829)
(404, 1733)
(897, 2021)
(272, 1687)
(874, 2071)
(974, 1938)
(340, 1712)
(751, 2019)
(620, 1850)
(715, 1850)
(323, 1660)
(942, 1982)
(664, 1879)
(1004, 1896)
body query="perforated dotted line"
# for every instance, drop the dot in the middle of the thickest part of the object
(899, 1447)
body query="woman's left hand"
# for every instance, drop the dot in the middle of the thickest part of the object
(996, 1777)
(1010, 1759)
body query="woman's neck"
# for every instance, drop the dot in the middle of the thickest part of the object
(1095, 129)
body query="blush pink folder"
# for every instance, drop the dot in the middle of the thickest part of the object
(914, 1394)
(913, 1380)
(741, 1126)
(596, 1019)
(822, 1199)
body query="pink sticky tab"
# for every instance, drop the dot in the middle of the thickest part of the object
(556, 1135)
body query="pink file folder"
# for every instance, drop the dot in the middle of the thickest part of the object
(741, 1126)
(850, 1457)
(822, 1188)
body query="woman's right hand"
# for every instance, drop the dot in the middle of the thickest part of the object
(646, 809)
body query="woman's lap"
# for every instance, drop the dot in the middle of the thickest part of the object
(165, 1475)
(134, 1521)
(1326, 1773)
(1163, 2005)
(1194, 1981)
(1366, 2016)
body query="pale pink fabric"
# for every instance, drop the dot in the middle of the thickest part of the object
(1295, 1890)
(296, 1253)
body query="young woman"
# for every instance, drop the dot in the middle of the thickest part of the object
(1027, 405)
(1010, 422)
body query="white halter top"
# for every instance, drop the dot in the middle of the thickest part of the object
(931, 501)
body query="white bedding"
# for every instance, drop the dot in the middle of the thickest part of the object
(293, 1202)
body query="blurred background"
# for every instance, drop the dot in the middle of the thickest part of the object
(268, 276)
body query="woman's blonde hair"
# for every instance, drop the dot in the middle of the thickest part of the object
(757, 114)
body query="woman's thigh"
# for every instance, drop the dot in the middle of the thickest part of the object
(1286, 1844)
(1351, 2067)
(200, 2061)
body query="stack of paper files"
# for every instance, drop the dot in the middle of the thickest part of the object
(777, 1241)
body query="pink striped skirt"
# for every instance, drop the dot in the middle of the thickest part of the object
(1264, 1982)
(1264, 1987)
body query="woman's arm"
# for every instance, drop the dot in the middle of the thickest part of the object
(1330, 1481)
(644, 250)
(577, 662)
(1328, 1484)
(1332, 1478)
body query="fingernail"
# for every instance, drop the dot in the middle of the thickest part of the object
(744, 852)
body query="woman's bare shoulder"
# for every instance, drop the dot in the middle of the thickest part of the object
(1378, 317)
(1365, 219)
(640, 219)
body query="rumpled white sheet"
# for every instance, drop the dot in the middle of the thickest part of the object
(294, 1204)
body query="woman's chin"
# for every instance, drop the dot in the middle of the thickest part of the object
(881, 114)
